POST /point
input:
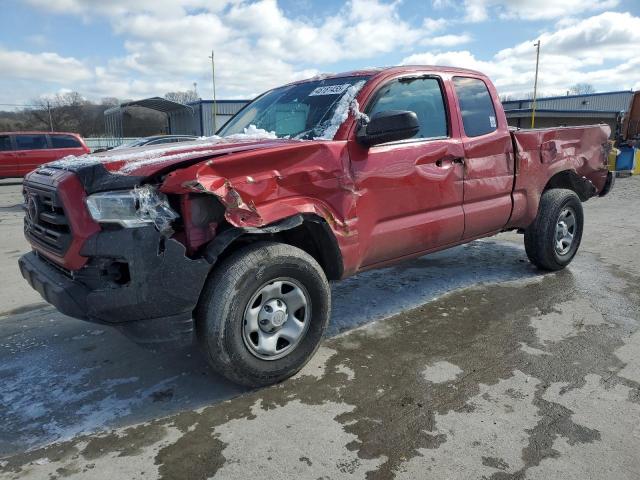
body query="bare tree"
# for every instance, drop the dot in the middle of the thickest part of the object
(62, 111)
(109, 101)
(182, 97)
(582, 89)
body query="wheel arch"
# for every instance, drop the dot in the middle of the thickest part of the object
(570, 180)
(307, 231)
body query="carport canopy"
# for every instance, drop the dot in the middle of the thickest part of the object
(113, 115)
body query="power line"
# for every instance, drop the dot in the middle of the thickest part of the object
(18, 105)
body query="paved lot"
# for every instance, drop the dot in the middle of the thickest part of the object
(464, 364)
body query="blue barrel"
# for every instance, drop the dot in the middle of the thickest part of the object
(625, 158)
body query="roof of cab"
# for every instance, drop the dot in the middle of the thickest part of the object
(371, 72)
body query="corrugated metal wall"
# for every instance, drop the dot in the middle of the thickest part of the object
(201, 121)
(604, 102)
(551, 122)
(225, 110)
(184, 122)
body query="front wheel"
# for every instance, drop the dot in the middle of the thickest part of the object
(262, 313)
(552, 240)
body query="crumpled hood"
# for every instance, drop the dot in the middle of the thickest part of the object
(147, 161)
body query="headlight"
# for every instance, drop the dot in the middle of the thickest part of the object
(132, 208)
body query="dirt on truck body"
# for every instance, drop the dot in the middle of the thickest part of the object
(313, 181)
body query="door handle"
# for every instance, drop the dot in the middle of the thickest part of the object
(446, 161)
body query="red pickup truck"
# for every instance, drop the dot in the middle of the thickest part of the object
(236, 236)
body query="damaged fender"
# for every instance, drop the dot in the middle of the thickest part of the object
(274, 191)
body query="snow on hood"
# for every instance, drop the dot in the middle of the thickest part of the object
(127, 161)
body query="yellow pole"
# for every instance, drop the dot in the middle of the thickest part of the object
(535, 86)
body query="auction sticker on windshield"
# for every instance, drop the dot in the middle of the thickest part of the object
(329, 90)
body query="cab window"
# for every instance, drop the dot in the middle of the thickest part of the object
(64, 141)
(31, 142)
(5, 143)
(420, 95)
(476, 106)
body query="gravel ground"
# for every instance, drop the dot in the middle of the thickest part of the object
(464, 364)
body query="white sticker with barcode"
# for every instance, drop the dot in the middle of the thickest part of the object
(492, 121)
(329, 90)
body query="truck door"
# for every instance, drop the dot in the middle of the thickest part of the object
(410, 191)
(489, 160)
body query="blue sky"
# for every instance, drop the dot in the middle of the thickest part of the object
(129, 49)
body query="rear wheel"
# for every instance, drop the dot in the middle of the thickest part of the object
(262, 313)
(553, 239)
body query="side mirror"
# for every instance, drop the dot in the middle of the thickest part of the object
(388, 126)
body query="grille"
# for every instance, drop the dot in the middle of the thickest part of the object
(45, 222)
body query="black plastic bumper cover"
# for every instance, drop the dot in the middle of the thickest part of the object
(60, 291)
(611, 180)
(163, 282)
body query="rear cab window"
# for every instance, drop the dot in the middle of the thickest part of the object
(5, 143)
(476, 106)
(31, 142)
(64, 141)
(421, 95)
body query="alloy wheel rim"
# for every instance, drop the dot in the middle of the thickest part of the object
(276, 318)
(565, 231)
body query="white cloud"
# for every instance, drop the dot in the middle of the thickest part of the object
(597, 50)
(434, 24)
(44, 66)
(447, 40)
(482, 10)
(257, 45)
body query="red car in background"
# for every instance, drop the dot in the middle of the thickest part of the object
(21, 152)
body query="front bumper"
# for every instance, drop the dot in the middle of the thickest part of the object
(57, 289)
(134, 275)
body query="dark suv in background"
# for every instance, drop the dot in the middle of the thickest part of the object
(21, 152)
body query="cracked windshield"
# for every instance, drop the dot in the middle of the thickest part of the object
(302, 111)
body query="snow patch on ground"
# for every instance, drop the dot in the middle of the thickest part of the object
(441, 372)
(306, 449)
(318, 363)
(604, 407)
(498, 428)
(35, 409)
(571, 319)
(629, 355)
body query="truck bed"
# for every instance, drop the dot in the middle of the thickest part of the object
(542, 153)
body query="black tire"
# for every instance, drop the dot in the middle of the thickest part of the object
(540, 236)
(220, 312)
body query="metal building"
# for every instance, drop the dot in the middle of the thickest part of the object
(568, 110)
(194, 118)
(199, 121)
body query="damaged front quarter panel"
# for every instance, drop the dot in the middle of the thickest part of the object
(265, 187)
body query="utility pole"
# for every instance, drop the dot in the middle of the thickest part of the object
(213, 80)
(50, 120)
(535, 85)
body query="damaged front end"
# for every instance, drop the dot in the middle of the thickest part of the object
(139, 247)
(133, 272)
